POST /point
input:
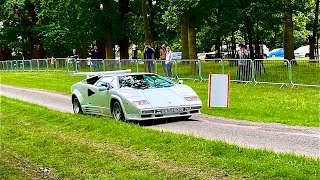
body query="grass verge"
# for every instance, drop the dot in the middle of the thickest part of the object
(261, 103)
(37, 142)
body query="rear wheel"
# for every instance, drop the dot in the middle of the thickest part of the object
(117, 112)
(76, 106)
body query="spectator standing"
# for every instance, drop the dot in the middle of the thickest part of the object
(168, 62)
(163, 58)
(75, 57)
(148, 53)
(242, 73)
(135, 51)
(94, 53)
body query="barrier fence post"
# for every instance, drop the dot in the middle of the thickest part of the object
(290, 71)
(222, 66)
(199, 70)
(253, 77)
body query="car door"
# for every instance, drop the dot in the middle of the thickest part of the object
(99, 95)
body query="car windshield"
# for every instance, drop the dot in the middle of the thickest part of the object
(144, 81)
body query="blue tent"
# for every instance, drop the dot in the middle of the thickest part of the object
(276, 53)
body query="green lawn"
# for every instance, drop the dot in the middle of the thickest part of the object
(39, 143)
(262, 103)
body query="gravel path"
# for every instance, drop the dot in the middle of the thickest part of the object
(276, 137)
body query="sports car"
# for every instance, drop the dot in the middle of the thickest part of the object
(133, 96)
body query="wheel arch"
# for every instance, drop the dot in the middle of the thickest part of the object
(77, 94)
(114, 99)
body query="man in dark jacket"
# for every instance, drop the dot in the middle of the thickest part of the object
(94, 53)
(148, 53)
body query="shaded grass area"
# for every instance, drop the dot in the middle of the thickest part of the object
(262, 103)
(38, 143)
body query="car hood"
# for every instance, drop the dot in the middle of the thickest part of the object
(163, 97)
(160, 97)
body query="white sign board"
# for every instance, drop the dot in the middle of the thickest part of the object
(219, 90)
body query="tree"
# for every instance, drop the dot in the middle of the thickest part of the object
(288, 31)
(26, 11)
(314, 31)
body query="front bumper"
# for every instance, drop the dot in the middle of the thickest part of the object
(160, 113)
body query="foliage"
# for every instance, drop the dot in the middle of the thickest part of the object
(64, 25)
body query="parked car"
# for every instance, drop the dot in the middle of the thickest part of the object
(276, 53)
(133, 96)
(176, 55)
(302, 51)
(201, 56)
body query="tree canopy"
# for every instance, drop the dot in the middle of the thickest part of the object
(44, 28)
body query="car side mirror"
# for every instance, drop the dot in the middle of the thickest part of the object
(103, 88)
(180, 81)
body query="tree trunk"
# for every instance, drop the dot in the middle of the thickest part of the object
(37, 50)
(151, 22)
(233, 47)
(1, 54)
(109, 43)
(248, 25)
(102, 50)
(288, 34)
(314, 32)
(192, 43)
(184, 38)
(147, 40)
(124, 41)
(124, 48)
(218, 37)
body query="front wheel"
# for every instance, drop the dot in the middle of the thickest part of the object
(76, 106)
(117, 112)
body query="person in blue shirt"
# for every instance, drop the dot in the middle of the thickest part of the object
(148, 50)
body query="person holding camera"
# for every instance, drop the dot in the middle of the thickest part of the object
(148, 50)
(94, 53)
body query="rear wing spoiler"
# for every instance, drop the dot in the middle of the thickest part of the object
(102, 73)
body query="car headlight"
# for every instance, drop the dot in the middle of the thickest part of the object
(192, 98)
(140, 102)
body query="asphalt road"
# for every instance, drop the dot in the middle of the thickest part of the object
(275, 137)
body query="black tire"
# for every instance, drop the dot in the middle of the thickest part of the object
(117, 111)
(76, 106)
(184, 118)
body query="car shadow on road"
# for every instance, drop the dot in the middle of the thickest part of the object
(159, 121)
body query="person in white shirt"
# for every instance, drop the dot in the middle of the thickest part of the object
(168, 62)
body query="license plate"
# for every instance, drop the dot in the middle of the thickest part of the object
(173, 110)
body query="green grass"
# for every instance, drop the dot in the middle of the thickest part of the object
(34, 138)
(261, 103)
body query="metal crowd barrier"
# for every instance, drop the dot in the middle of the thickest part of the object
(305, 73)
(188, 69)
(258, 71)
(214, 66)
(240, 70)
(272, 72)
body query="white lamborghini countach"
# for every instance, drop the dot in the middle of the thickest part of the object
(133, 96)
